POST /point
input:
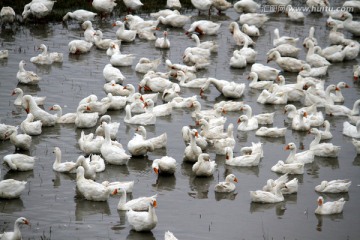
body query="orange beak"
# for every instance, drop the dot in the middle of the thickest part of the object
(201, 92)
(235, 180)
(52, 108)
(305, 114)
(27, 110)
(227, 157)
(337, 89)
(155, 204)
(146, 88)
(224, 111)
(114, 24)
(196, 134)
(145, 105)
(140, 87)
(13, 93)
(142, 99)
(320, 202)
(125, 87)
(26, 222)
(191, 105)
(356, 78)
(287, 147)
(114, 192)
(347, 86)
(239, 120)
(197, 123)
(88, 108)
(156, 170)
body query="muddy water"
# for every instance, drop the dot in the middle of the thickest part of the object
(187, 206)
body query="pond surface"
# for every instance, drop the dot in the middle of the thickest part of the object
(187, 205)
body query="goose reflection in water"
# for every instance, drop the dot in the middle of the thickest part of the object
(133, 235)
(261, 207)
(321, 218)
(86, 208)
(200, 186)
(165, 183)
(11, 206)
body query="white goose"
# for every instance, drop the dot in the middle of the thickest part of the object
(19, 162)
(334, 186)
(289, 168)
(237, 60)
(301, 157)
(112, 73)
(89, 169)
(133, 5)
(111, 153)
(246, 6)
(126, 185)
(238, 36)
(80, 15)
(265, 72)
(114, 127)
(31, 127)
(204, 27)
(310, 38)
(300, 122)
(137, 204)
(322, 149)
(315, 60)
(249, 53)
(85, 120)
(4, 54)
(7, 15)
(274, 132)
(308, 71)
(211, 45)
(229, 141)
(200, 140)
(284, 39)
(202, 5)
(293, 14)
(286, 63)
(139, 146)
(173, 4)
(263, 118)
(20, 141)
(158, 141)
(326, 134)
(246, 124)
(26, 77)
(286, 50)
(328, 208)
(66, 118)
(155, 84)
(350, 25)
(147, 118)
(11, 188)
(338, 97)
(356, 144)
(164, 166)
(124, 34)
(79, 46)
(255, 148)
(256, 19)
(119, 59)
(251, 31)
(351, 130)
(341, 110)
(64, 167)
(90, 189)
(16, 234)
(204, 167)
(253, 77)
(143, 221)
(241, 161)
(192, 151)
(174, 20)
(89, 31)
(268, 197)
(228, 89)
(145, 65)
(163, 42)
(90, 145)
(228, 185)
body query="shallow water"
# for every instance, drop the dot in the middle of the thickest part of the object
(187, 206)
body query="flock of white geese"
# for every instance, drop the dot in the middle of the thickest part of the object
(320, 101)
